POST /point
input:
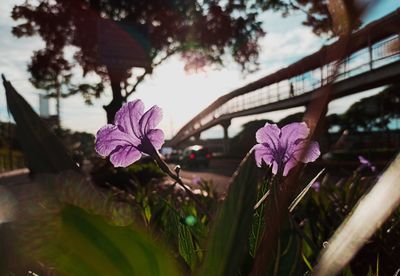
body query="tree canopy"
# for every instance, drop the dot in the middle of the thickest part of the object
(203, 32)
(376, 112)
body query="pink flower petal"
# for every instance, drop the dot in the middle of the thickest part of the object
(275, 167)
(303, 151)
(150, 119)
(289, 165)
(125, 156)
(312, 152)
(134, 133)
(156, 138)
(128, 118)
(306, 151)
(263, 153)
(285, 147)
(269, 135)
(293, 132)
(108, 138)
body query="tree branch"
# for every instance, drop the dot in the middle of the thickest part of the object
(138, 81)
(298, 7)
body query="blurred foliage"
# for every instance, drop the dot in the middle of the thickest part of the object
(128, 179)
(258, 224)
(193, 241)
(296, 117)
(228, 240)
(79, 144)
(321, 213)
(325, 17)
(83, 243)
(144, 171)
(8, 136)
(348, 159)
(75, 228)
(246, 138)
(315, 220)
(11, 156)
(11, 159)
(374, 113)
(162, 207)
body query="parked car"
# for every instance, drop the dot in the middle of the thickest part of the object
(195, 156)
(174, 156)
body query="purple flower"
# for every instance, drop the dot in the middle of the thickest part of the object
(316, 186)
(196, 180)
(132, 134)
(284, 148)
(365, 163)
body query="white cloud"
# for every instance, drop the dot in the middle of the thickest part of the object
(293, 44)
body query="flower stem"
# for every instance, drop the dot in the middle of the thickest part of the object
(164, 167)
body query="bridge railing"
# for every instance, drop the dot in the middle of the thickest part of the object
(370, 48)
(383, 53)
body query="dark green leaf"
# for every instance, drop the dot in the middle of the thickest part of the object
(228, 239)
(42, 150)
(287, 259)
(186, 245)
(257, 227)
(87, 245)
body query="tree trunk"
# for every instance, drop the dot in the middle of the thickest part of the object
(117, 100)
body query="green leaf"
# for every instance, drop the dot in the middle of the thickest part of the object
(287, 259)
(186, 245)
(42, 149)
(147, 213)
(257, 227)
(347, 272)
(87, 245)
(307, 262)
(229, 236)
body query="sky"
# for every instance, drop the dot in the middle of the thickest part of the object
(180, 94)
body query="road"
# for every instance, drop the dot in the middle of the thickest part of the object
(218, 174)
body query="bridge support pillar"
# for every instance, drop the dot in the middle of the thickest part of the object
(197, 136)
(226, 141)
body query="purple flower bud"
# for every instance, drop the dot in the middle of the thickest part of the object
(365, 163)
(316, 186)
(196, 180)
(132, 134)
(284, 148)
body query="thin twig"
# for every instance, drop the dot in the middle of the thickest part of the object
(264, 197)
(138, 81)
(164, 167)
(304, 191)
(297, 7)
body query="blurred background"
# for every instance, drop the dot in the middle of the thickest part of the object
(220, 70)
(76, 64)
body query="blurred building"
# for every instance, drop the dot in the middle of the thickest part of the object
(52, 121)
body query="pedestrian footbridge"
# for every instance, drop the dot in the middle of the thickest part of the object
(371, 59)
